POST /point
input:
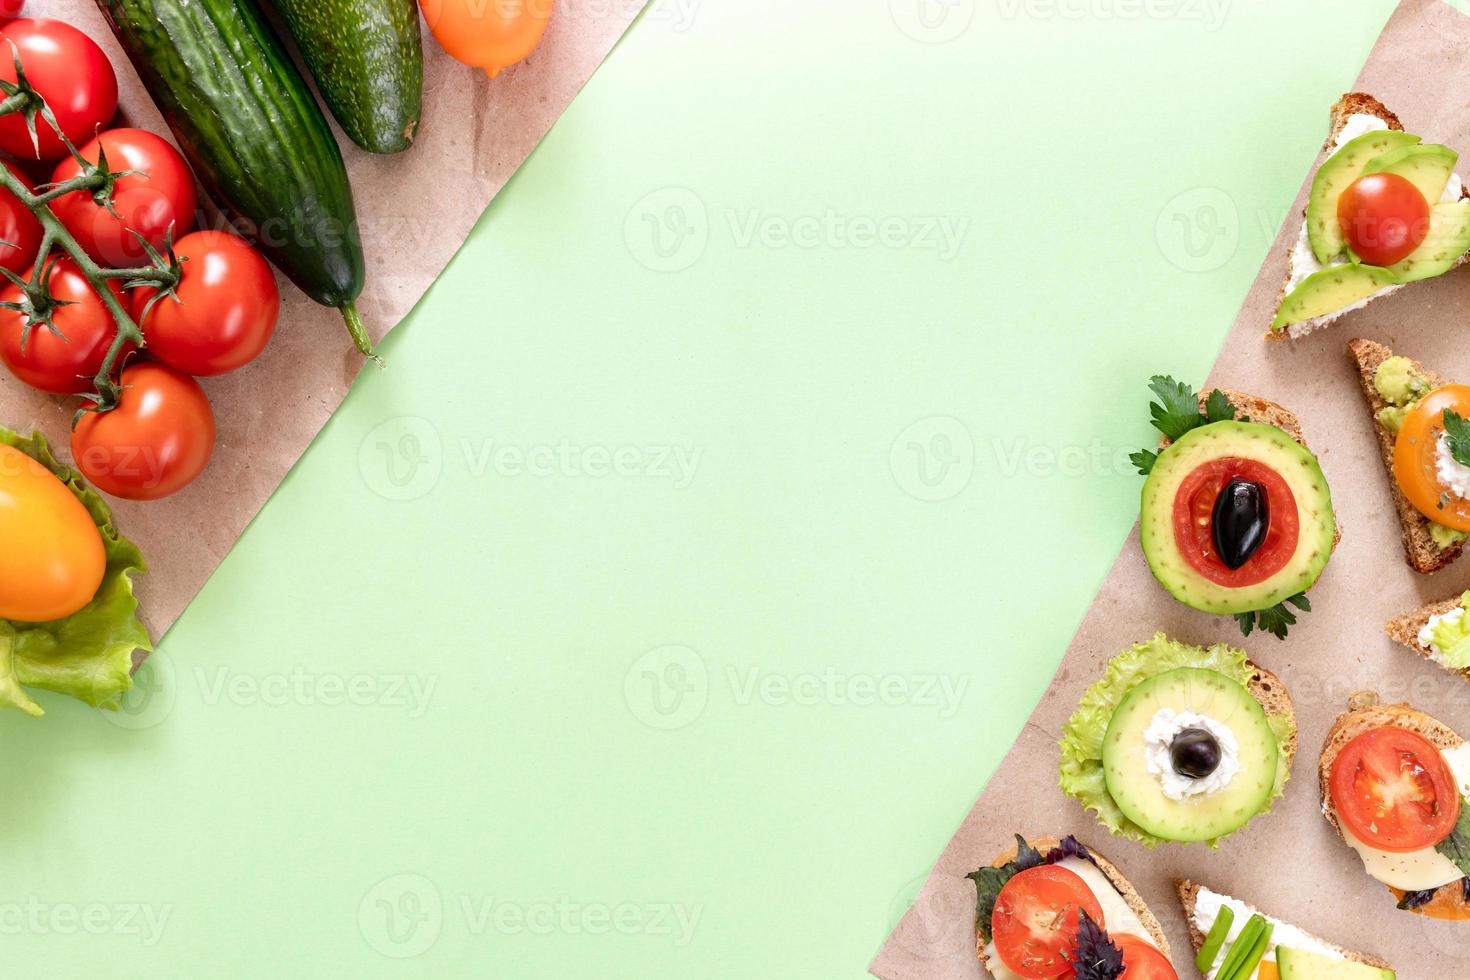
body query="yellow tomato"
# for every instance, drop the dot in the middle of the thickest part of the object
(489, 34)
(52, 559)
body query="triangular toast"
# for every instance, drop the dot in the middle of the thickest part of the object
(1420, 550)
(1189, 894)
(1404, 630)
(1351, 104)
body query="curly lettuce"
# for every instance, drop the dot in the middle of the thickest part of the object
(1082, 738)
(89, 654)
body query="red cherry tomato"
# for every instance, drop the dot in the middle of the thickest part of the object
(1142, 960)
(1394, 791)
(223, 313)
(10, 9)
(1036, 918)
(149, 203)
(1194, 507)
(154, 443)
(20, 232)
(488, 34)
(1383, 217)
(51, 363)
(70, 72)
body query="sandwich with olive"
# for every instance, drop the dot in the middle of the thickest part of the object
(1056, 908)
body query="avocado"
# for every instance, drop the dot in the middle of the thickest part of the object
(1398, 383)
(1427, 166)
(1448, 239)
(1263, 443)
(1297, 964)
(1139, 792)
(1334, 288)
(1334, 177)
(1446, 537)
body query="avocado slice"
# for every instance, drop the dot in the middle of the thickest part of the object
(1249, 440)
(1448, 239)
(1334, 288)
(1334, 177)
(1296, 964)
(1427, 166)
(1139, 793)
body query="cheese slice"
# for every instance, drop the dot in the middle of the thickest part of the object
(1424, 870)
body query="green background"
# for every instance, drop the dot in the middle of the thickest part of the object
(451, 710)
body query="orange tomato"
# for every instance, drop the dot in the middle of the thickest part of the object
(1414, 457)
(488, 34)
(53, 560)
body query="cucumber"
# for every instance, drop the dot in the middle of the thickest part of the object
(368, 60)
(259, 144)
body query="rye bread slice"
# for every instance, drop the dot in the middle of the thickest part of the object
(1351, 104)
(1115, 877)
(1365, 713)
(1404, 630)
(1420, 551)
(1189, 899)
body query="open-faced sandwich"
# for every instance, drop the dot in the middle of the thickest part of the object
(1179, 743)
(1424, 439)
(1233, 941)
(1054, 908)
(1236, 516)
(1385, 210)
(1394, 782)
(1439, 632)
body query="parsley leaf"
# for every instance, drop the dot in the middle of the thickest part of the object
(1096, 957)
(1456, 847)
(1275, 620)
(1457, 436)
(989, 882)
(1218, 407)
(1144, 460)
(1177, 410)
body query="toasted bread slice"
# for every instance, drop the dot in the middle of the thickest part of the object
(1115, 877)
(1420, 550)
(1365, 713)
(1404, 630)
(1351, 104)
(1189, 894)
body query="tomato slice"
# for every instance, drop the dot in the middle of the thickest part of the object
(1142, 960)
(1414, 455)
(1036, 919)
(1394, 791)
(1384, 218)
(1194, 507)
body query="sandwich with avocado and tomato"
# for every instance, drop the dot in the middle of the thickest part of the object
(68, 616)
(1234, 941)
(1386, 209)
(1179, 743)
(1438, 632)
(1055, 908)
(1423, 434)
(1394, 785)
(1236, 516)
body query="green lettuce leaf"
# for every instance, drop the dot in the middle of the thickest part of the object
(1082, 738)
(89, 654)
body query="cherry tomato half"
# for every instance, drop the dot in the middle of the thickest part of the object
(1394, 791)
(1036, 918)
(1384, 218)
(488, 34)
(1415, 452)
(223, 312)
(70, 72)
(53, 559)
(20, 231)
(64, 365)
(1194, 507)
(1142, 960)
(154, 443)
(151, 202)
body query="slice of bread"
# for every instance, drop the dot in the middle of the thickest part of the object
(1365, 713)
(1189, 899)
(1110, 871)
(1420, 551)
(1404, 630)
(1351, 104)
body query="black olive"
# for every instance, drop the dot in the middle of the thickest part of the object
(1241, 519)
(1195, 753)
